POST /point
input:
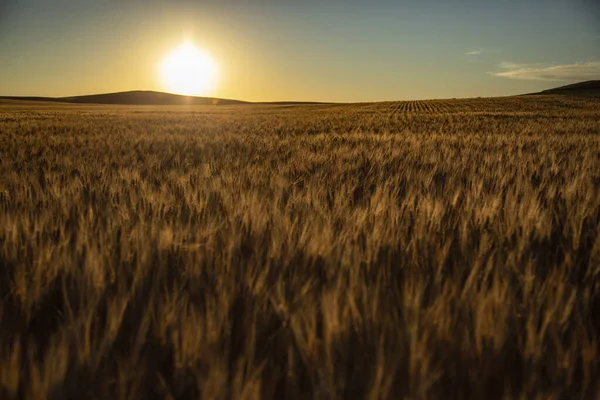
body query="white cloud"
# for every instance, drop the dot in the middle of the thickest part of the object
(473, 53)
(513, 66)
(543, 72)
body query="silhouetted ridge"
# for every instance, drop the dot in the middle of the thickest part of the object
(135, 98)
(588, 88)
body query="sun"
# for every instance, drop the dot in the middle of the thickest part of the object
(189, 71)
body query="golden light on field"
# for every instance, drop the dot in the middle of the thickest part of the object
(189, 71)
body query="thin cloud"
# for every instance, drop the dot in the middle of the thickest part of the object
(514, 66)
(543, 72)
(473, 53)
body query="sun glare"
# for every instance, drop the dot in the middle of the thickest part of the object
(189, 71)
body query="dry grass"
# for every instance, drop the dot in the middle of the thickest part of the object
(437, 249)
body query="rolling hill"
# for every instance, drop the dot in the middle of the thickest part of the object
(588, 88)
(144, 97)
(141, 97)
(133, 98)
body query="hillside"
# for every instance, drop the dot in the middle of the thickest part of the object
(140, 97)
(133, 97)
(588, 88)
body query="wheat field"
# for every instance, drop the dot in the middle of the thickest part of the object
(441, 249)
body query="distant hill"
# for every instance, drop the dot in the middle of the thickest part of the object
(588, 88)
(141, 97)
(133, 98)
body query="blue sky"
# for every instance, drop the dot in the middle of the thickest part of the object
(310, 50)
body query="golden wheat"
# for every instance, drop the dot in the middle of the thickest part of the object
(431, 249)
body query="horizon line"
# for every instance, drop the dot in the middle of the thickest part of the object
(64, 99)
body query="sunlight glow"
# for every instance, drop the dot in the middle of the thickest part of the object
(189, 71)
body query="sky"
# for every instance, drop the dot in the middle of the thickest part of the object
(310, 50)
